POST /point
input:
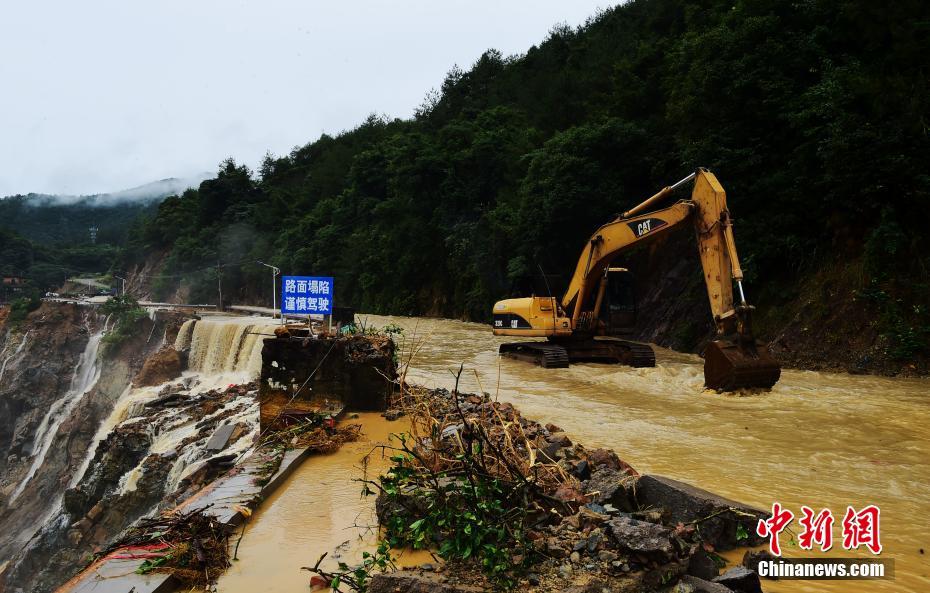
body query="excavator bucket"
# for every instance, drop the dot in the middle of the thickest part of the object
(729, 366)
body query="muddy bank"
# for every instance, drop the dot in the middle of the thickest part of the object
(189, 446)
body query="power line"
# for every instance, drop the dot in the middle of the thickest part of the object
(204, 269)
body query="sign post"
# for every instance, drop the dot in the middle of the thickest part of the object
(274, 285)
(306, 295)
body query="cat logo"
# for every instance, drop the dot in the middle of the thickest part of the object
(647, 225)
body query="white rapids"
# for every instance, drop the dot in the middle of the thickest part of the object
(86, 373)
(19, 349)
(222, 351)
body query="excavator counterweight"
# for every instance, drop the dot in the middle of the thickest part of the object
(598, 307)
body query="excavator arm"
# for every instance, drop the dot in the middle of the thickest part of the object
(706, 210)
(607, 243)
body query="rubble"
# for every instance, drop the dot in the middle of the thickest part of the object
(417, 582)
(724, 523)
(740, 579)
(588, 520)
(641, 537)
(220, 438)
(193, 547)
(692, 584)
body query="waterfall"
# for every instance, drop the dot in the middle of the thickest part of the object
(7, 360)
(85, 377)
(230, 346)
(222, 350)
(175, 426)
(183, 340)
(116, 416)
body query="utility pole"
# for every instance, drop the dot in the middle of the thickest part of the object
(123, 284)
(274, 284)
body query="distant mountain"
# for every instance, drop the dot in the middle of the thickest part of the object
(67, 220)
(156, 190)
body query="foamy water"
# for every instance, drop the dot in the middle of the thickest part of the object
(86, 373)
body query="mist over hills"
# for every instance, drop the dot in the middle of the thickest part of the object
(66, 220)
(47, 238)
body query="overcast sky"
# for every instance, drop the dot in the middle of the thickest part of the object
(104, 95)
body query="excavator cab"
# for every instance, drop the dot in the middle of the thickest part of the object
(618, 309)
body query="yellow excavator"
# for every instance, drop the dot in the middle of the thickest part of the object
(599, 305)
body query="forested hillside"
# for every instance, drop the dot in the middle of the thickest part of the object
(813, 114)
(46, 238)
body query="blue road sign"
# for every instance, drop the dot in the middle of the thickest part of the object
(305, 295)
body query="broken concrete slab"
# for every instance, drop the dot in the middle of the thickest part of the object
(703, 566)
(220, 438)
(752, 558)
(611, 486)
(310, 374)
(741, 580)
(165, 400)
(692, 584)
(119, 576)
(724, 523)
(414, 582)
(642, 537)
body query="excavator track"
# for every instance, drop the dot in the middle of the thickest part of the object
(641, 355)
(559, 355)
(545, 354)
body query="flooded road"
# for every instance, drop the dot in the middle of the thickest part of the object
(318, 509)
(818, 439)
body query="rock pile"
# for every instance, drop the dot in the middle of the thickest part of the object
(597, 524)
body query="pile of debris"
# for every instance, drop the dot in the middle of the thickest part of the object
(193, 547)
(549, 514)
(317, 433)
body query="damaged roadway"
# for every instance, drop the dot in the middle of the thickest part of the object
(592, 522)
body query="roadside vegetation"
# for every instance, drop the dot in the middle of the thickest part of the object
(124, 313)
(21, 307)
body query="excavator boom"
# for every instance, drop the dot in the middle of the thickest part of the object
(733, 359)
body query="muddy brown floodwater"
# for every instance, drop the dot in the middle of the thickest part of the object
(817, 439)
(318, 509)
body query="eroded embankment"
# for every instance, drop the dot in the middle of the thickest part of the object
(188, 443)
(61, 378)
(93, 448)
